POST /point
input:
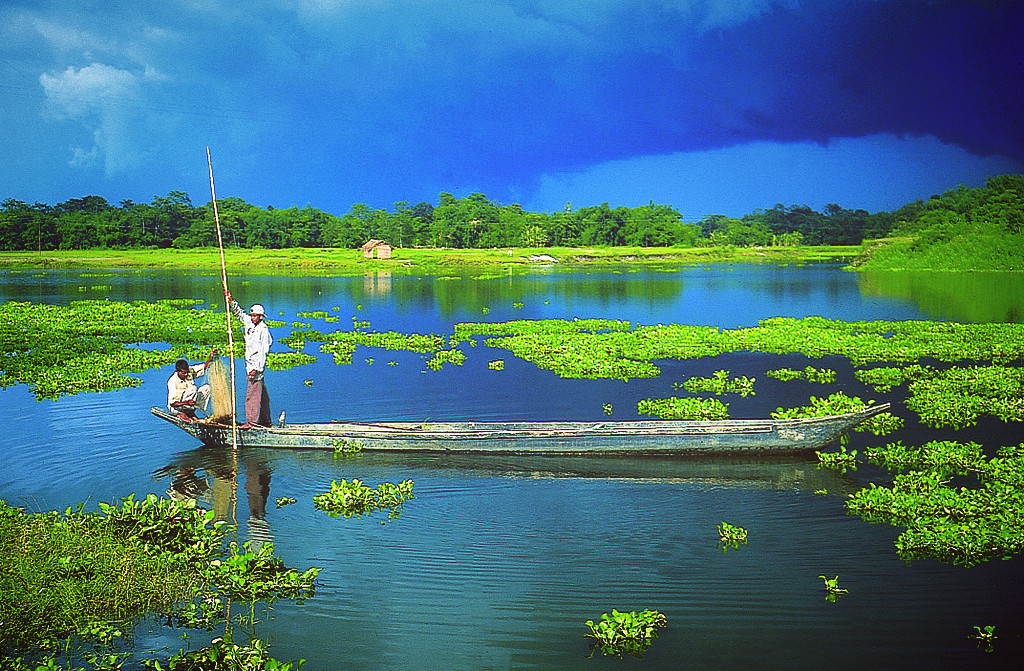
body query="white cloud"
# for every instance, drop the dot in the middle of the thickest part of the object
(877, 172)
(102, 98)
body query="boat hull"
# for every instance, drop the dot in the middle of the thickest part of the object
(664, 437)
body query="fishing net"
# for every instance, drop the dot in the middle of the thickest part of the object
(220, 390)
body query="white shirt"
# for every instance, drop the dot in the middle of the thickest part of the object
(257, 340)
(179, 390)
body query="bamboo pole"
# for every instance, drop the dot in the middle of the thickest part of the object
(227, 308)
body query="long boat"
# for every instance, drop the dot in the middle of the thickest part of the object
(641, 437)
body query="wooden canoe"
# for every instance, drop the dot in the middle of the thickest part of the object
(642, 437)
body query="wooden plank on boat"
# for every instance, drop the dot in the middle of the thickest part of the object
(641, 437)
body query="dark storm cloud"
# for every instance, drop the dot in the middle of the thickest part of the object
(339, 101)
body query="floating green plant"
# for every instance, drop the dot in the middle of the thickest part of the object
(498, 364)
(884, 378)
(720, 383)
(985, 636)
(832, 589)
(606, 348)
(69, 576)
(631, 633)
(683, 408)
(607, 407)
(837, 404)
(348, 499)
(285, 360)
(283, 501)
(256, 574)
(342, 344)
(441, 357)
(92, 345)
(946, 457)
(810, 374)
(838, 461)
(342, 446)
(958, 396)
(731, 537)
(958, 524)
(224, 653)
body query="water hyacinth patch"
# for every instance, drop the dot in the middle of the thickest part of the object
(946, 457)
(810, 374)
(256, 574)
(731, 537)
(82, 576)
(838, 461)
(838, 404)
(958, 524)
(342, 344)
(284, 360)
(720, 383)
(958, 396)
(631, 633)
(985, 637)
(683, 408)
(589, 348)
(87, 346)
(348, 499)
(832, 589)
(884, 378)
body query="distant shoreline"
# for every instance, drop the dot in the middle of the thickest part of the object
(351, 261)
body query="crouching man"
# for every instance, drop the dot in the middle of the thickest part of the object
(183, 396)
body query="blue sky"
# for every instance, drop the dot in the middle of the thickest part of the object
(711, 106)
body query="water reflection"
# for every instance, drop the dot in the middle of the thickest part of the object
(377, 283)
(965, 297)
(210, 477)
(192, 472)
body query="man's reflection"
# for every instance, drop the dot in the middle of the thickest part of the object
(209, 477)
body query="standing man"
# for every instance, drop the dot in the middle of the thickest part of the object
(257, 344)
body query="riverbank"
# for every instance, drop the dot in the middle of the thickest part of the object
(352, 262)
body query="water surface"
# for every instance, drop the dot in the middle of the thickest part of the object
(497, 562)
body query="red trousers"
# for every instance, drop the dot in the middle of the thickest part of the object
(257, 403)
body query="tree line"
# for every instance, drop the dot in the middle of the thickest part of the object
(472, 221)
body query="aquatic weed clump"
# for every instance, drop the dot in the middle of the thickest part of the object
(353, 499)
(963, 525)
(630, 632)
(60, 572)
(958, 396)
(720, 383)
(674, 407)
(92, 345)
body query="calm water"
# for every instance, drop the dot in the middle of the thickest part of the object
(497, 562)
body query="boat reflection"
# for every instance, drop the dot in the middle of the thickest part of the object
(778, 473)
(783, 473)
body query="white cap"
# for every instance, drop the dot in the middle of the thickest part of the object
(257, 309)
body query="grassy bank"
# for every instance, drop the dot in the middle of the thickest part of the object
(351, 261)
(62, 575)
(70, 583)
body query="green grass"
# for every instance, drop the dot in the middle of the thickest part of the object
(58, 575)
(412, 261)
